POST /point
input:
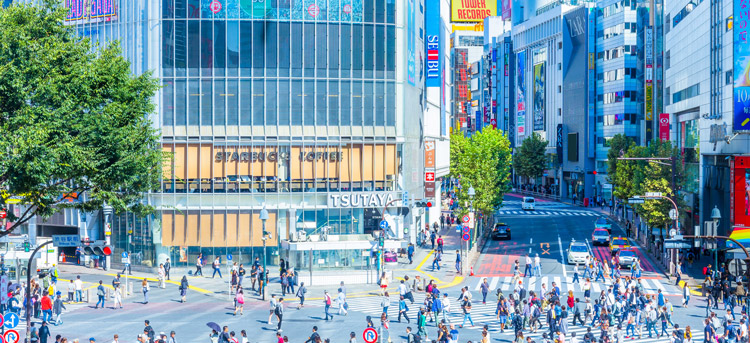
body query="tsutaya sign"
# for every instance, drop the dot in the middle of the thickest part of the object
(274, 156)
(347, 200)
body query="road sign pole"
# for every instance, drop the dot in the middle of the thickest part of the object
(27, 300)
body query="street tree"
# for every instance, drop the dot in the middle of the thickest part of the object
(530, 159)
(481, 161)
(74, 120)
(618, 145)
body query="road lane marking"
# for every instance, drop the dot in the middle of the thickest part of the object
(506, 283)
(562, 255)
(493, 283)
(531, 243)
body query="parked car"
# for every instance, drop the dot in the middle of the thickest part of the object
(501, 230)
(600, 237)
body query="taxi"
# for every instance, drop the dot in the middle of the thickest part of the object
(618, 243)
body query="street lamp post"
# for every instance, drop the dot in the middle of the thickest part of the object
(263, 218)
(716, 216)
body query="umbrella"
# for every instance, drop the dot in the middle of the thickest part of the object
(214, 326)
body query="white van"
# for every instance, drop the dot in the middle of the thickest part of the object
(528, 203)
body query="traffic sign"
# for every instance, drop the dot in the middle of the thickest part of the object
(429, 176)
(66, 241)
(466, 237)
(215, 6)
(11, 336)
(11, 320)
(3, 214)
(653, 194)
(370, 335)
(466, 218)
(676, 244)
(229, 257)
(466, 229)
(636, 201)
(672, 214)
(383, 224)
(405, 199)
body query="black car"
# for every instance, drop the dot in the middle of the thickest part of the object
(501, 231)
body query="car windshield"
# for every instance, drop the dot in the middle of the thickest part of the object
(600, 233)
(500, 227)
(531, 201)
(627, 253)
(578, 248)
(619, 242)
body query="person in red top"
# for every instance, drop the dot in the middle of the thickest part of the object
(46, 308)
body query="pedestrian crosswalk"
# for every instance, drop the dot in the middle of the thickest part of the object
(547, 213)
(507, 283)
(483, 314)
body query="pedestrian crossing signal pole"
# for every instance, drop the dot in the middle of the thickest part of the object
(263, 217)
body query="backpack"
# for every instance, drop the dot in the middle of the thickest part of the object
(705, 270)
(537, 312)
(416, 338)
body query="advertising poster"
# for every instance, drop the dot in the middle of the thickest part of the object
(741, 182)
(472, 11)
(521, 94)
(506, 9)
(539, 72)
(664, 127)
(432, 43)
(741, 117)
(649, 102)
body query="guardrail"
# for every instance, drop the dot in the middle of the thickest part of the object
(538, 194)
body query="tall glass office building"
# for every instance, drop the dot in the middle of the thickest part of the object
(310, 109)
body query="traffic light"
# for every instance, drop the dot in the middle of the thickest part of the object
(423, 203)
(26, 246)
(98, 248)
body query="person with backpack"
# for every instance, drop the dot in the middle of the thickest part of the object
(301, 291)
(279, 311)
(731, 332)
(327, 301)
(412, 337)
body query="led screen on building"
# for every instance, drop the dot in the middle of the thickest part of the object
(90, 11)
(539, 99)
(521, 94)
(740, 202)
(472, 11)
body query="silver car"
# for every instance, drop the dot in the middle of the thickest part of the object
(578, 252)
(627, 257)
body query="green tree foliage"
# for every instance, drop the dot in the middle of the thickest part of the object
(619, 144)
(639, 177)
(530, 159)
(73, 119)
(483, 162)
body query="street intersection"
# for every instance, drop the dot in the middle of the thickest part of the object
(209, 299)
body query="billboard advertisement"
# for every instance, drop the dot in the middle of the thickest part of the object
(432, 43)
(472, 11)
(539, 100)
(741, 116)
(741, 193)
(90, 11)
(649, 102)
(575, 73)
(521, 94)
(664, 127)
(411, 64)
(506, 9)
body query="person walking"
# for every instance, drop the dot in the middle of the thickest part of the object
(527, 268)
(421, 323)
(685, 295)
(199, 265)
(385, 303)
(485, 287)
(279, 313)
(57, 308)
(79, 289)
(272, 307)
(217, 267)
(46, 304)
(537, 266)
(145, 288)
(383, 282)
(341, 300)
(466, 306)
(239, 302)
(403, 309)
(410, 253)
(100, 294)
(167, 267)
(162, 276)
(458, 263)
(301, 291)
(184, 288)
(327, 301)
(117, 297)
(436, 260)
(44, 333)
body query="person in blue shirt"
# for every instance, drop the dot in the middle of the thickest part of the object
(410, 253)
(458, 262)
(660, 299)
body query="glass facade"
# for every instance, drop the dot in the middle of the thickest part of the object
(288, 106)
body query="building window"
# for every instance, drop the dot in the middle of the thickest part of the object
(686, 93)
(729, 76)
(667, 60)
(667, 97)
(667, 24)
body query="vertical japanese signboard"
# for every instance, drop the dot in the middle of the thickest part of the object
(664, 127)
(429, 167)
(432, 30)
(506, 8)
(741, 116)
(521, 94)
(539, 95)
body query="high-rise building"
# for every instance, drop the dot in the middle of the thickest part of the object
(303, 119)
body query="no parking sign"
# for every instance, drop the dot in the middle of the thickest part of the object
(370, 335)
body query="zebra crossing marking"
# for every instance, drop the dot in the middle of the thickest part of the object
(547, 213)
(506, 284)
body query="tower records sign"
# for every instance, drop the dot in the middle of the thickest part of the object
(277, 156)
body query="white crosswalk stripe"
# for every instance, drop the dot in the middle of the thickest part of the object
(505, 283)
(481, 315)
(547, 213)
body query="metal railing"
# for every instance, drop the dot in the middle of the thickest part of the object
(538, 194)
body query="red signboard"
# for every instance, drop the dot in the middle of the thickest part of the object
(429, 176)
(741, 192)
(664, 126)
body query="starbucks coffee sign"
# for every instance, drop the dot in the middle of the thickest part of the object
(354, 200)
(309, 156)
